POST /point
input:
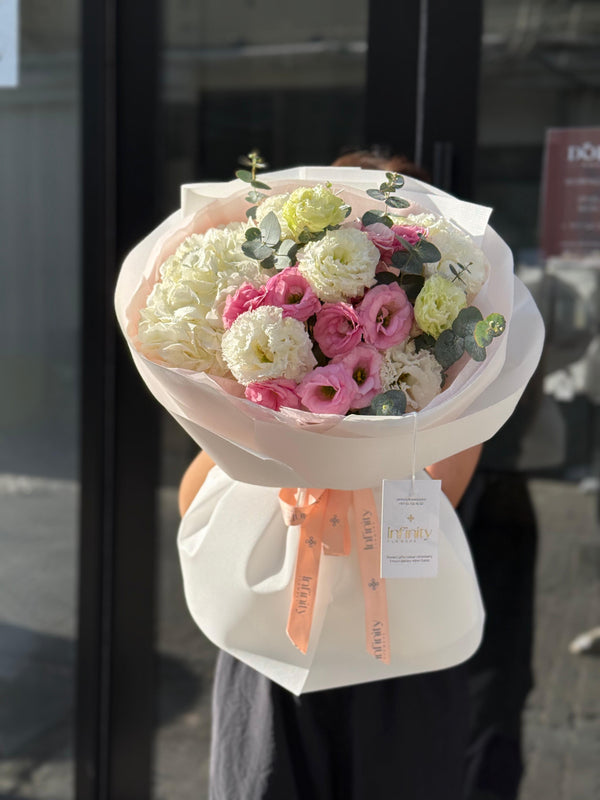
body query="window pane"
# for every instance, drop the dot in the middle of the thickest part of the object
(541, 70)
(39, 319)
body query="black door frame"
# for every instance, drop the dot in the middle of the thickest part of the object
(433, 121)
(119, 431)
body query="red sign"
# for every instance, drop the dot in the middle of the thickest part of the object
(570, 213)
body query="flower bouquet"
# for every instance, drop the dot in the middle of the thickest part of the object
(346, 328)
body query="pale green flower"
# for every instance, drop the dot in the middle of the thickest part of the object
(314, 208)
(437, 305)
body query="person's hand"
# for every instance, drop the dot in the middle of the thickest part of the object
(456, 472)
(192, 480)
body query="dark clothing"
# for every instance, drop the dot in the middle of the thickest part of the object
(401, 738)
(500, 524)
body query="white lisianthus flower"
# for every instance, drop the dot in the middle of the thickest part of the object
(181, 324)
(275, 204)
(418, 375)
(183, 340)
(456, 248)
(263, 344)
(341, 265)
(219, 262)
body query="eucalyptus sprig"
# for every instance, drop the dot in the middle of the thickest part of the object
(255, 195)
(470, 333)
(264, 244)
(458, 270)
(393, 182)
(410, 263)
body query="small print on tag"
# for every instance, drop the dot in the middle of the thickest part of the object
(410, 519)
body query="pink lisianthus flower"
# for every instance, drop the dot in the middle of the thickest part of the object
(291, 292)
(246, 298)
(411, 233)
(273, 393)
(383, 238)
(337, 329)
(386, 239)
(364, 364)
(328, 390)
(386, 315)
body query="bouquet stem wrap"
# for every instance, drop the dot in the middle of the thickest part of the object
(322, 515)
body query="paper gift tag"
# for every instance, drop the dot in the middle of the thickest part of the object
(410, 514)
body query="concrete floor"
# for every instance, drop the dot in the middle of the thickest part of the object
(37, 621)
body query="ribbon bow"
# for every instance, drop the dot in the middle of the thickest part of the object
(322, 515)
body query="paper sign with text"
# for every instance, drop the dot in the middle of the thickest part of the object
(410, 516)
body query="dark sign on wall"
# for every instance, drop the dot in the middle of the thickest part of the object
(570, 213)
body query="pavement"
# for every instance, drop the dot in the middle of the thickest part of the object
(37, 623)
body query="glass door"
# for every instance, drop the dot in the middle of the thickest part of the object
(235, 77)
(540, 76)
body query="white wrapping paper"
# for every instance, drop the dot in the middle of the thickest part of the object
(236, 556)
(238, 559)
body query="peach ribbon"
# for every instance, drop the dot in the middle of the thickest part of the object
(324, 528)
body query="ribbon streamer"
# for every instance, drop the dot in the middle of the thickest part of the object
(322, 515)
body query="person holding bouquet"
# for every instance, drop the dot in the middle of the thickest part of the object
(340, 336)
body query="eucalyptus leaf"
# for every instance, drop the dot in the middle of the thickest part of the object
(257, 250)
(346, 209)
(465, 322)
(428, 252)
(486, 330)
(282, 262)
(386, 278)
(254, 197)
(397, 202)
(482, 334)
(496, 324)
(408, 261)
(289, 249)
(376, 194)
(412, 285)
(251, 212)
(396, 179)
(269, 262)
(371, 217)
(424, 342)
(389, 404)
(252, 234)
(476, 352)
(258, 184)
(270, 229)
(448, 348)
(244, 175)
